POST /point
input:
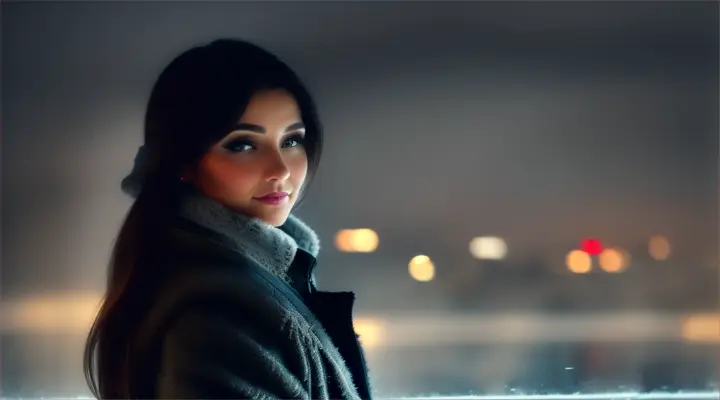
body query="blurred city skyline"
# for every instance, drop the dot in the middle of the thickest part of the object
(540, 123)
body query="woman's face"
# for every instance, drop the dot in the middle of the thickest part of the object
(259, 168)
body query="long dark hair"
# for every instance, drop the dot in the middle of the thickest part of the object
(195, 102)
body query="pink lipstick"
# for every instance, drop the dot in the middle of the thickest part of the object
(273, 199)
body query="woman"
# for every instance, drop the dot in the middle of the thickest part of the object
(211, 291)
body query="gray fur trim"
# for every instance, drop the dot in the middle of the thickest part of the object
(303, 235)
(270, 247)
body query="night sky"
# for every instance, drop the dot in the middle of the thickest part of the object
(539, 122)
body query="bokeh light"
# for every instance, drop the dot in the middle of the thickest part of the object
(422, 268)
(659, 248)
(369, 330)
(613, 260)
(342, 240)
(357, 240)
(591, 246)
(578, 262)
(488, 248)
(701, 328)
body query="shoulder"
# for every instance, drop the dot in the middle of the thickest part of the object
(199, 324)
(233, 292)
(199, 271)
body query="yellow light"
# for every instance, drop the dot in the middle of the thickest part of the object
(659, 248)
(371, 331)
(578, 262)
(69, 312)
(356, 240)
(613, 260)
(422, 268)
(701, 328)
(488, 248)
(343, 240)
(364, 240)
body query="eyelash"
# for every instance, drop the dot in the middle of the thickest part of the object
(298, 138)
(237, 146)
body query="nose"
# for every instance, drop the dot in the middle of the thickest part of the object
(277, 169)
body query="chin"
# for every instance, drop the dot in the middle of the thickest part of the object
(275, 216)
(275, 219)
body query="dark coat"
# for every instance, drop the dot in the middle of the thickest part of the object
(225, 327)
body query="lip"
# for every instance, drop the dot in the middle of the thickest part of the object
(274, 198)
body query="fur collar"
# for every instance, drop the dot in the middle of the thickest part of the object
(273, 248)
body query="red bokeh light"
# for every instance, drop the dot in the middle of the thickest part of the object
(591, 246)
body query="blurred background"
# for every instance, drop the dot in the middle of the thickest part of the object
(524, 196)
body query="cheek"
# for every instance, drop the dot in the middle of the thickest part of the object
(226, 179)
(298, 169)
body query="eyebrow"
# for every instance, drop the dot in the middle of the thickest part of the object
(259, 129)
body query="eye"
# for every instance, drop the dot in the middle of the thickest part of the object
(240, 146)
(294, 141)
